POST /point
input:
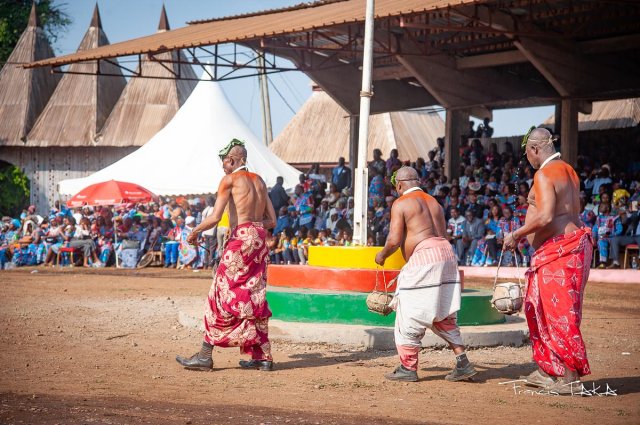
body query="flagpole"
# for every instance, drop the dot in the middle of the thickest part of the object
(361, 175)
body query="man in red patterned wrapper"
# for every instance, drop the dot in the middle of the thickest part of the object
(559, 268)
(236, 312)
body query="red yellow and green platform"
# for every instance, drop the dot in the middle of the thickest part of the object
(334, 286)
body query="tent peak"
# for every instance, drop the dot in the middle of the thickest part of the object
(95, 19)
(163, 25)
(33, 16)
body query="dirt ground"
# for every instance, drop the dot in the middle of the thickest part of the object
(98, 346)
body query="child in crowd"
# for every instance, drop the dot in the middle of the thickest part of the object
(607, 225)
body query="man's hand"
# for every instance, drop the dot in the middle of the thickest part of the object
(192, 239)
(509, 242)
(380, 259)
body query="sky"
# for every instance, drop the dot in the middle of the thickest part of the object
(126, 19)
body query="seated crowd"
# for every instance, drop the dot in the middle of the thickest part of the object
(486, 202)
(96, 236)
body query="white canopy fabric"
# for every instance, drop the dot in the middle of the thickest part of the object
(182, 158)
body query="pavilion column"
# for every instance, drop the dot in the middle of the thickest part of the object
(569, 131)
(557, 122)
(354, 122)
(456, 124)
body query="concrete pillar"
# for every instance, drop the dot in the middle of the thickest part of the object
(569, 132)
(354, 122)
(456, 127)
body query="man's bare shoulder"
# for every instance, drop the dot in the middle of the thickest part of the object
(259, 181)
(243, 176)
(430, 199)
(555, 172)
(226, 182)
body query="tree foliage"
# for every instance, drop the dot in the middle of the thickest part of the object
(14, 16)
(14, 195)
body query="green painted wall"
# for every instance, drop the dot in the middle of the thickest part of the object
(299, 305)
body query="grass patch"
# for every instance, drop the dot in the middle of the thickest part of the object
(558, 405)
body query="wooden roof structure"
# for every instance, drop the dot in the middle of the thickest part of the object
(80, 105)
(472, 55)
(148, 104)
(612, 114)
(319, 132)
(25, 92)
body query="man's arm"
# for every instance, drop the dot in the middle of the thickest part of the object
(224, 193)
(396, 234)
(269, 215)
(545, 210)
(437, 215)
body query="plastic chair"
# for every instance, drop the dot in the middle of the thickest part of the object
(67, 250)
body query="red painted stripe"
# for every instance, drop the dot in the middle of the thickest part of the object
(336, 279)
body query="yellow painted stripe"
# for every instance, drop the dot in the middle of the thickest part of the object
(352, 257)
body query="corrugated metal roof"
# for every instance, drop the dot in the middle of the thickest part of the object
(254, 27)
(298, 6)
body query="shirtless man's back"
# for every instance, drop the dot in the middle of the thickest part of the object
(415, 217)
(421, 218)
(555, 184)
(244, 192)
(248, 198)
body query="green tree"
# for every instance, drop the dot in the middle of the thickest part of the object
(14, 16)
(15, 190)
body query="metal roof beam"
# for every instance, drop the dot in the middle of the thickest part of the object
(606, 45)
(342, 82)
(492, 59)
(569, 72)
(454, 88)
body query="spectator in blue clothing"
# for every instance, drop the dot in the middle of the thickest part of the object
(283, 222)
(341, 175)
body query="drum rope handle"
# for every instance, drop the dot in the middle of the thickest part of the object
(515, 255)
(384, 280)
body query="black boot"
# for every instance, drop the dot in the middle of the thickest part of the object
(401, 373)
(266, 365)
(199, 361)
(463, 370)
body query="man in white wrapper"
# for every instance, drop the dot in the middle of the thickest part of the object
(428, 287)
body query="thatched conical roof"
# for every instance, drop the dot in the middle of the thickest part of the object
(148, 104)
(611, 114)
(80, 104)
(319, 132)
(25, 92)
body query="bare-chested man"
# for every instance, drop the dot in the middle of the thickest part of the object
(428, 288)
(237, 313)
(559, 268)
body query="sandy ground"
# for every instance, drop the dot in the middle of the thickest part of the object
(98, 346)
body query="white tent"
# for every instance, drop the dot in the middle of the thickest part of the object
(182, 158)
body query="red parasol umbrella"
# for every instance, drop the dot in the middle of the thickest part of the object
(111, 192)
